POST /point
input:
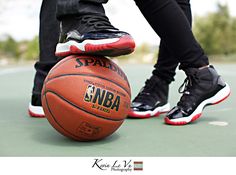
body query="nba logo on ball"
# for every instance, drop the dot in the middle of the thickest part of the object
(89, 93)
(102, 99)
(86, 97)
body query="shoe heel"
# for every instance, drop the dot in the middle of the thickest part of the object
(221, 95)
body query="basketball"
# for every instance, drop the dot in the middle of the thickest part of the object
(86, 98)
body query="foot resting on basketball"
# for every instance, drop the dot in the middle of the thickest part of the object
(93, 35)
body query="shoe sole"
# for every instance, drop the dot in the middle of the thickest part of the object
(148, 114)
(36, 111)
(105, 47)
(217, 98)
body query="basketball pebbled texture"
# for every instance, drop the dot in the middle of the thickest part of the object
(86, 97)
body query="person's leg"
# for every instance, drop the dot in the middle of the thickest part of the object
(152, 100)
(48, 38)
(203, 85)
(65, 10)
(166, 63)
(172, 26)
(85, 29)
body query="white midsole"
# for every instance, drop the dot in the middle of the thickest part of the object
(217, 97)
(164, 108)
(65, 47)
(38, 110)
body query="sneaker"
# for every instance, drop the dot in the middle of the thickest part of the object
(201, 88)
(151, 100)
(35, 107)
(90, 34)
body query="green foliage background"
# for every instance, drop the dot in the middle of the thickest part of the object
(217, 32)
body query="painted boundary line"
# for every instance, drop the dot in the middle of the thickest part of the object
(15, 70)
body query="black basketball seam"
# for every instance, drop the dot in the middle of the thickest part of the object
(57, 121)
(64, 99)
(90, 75)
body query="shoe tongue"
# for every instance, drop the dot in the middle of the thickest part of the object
(150, 83)
(154, 85)
(200, 73)
(191, 71)
(155, 78)
(206, 73)
(202, 70)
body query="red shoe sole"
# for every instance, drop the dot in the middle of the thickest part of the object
(195, 117)
(31, 114)
(123, 46)
(131, 114)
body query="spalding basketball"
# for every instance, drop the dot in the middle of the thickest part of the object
(86, 97)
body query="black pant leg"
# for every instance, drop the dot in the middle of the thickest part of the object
(78, 7)
(166, 63)
(48, 38)
(48, 31)
(171, 24)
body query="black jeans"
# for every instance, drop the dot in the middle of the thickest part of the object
(166, 60)
(172, 24)
(48, 38)
(166, 17)
(79, 7)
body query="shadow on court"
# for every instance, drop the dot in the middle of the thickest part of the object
(55, 139)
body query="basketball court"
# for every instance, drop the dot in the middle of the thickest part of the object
(214, 134)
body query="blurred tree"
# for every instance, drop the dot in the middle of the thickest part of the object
(9, 47)
(216, 31)
(31, 50)
(27, 50)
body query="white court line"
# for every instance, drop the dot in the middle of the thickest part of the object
(14, 70)
(219, 123)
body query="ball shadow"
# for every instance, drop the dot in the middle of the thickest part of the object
(49, 136)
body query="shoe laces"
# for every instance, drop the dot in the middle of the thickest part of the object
(187, 89)
(146, 93)
(98, 22)
(188, 82)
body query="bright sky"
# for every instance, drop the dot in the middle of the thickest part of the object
(19, 18)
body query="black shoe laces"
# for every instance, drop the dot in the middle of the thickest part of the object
(146, 93)
(187, 89)
(98, 22)
(188, 82)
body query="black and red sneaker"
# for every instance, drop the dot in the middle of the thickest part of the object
(92, 35)
(202, 87)
(35, 108)
(151, 100)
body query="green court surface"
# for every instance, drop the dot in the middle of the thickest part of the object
(21, 135)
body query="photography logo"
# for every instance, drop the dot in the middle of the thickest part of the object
(138, 166)
(117, 165)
